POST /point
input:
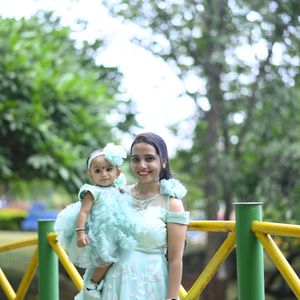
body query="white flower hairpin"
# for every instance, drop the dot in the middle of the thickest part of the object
(114, 154)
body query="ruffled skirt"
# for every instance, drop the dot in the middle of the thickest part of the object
(110, 228)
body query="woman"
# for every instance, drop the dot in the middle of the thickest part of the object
(154, 269)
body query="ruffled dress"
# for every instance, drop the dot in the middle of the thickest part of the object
(143, 274)
(110, 227)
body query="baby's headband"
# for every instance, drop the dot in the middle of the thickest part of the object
(93, 155)
(113, 153)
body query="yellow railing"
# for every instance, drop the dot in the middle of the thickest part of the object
(28, 275)
(63, 257)
(262, 230)
(221, 254)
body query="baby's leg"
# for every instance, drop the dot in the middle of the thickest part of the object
(95, 284)
(100, 272)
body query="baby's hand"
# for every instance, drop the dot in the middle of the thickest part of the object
(82, 239)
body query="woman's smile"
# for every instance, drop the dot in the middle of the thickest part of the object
(143, 173)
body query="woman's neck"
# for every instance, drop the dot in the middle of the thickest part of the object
(144, 191)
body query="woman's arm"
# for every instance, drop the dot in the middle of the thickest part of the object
(176, 240)
(87, 202)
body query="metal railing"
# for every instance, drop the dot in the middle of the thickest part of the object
(248, 234)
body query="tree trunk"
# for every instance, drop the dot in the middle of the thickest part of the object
(216, 290)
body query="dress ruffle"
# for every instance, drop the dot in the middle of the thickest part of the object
(172, 188)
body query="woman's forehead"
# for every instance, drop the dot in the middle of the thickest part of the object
(143, 149)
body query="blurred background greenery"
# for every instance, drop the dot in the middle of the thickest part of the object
(243, 60)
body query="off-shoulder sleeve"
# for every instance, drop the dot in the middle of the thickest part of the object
(178, 217)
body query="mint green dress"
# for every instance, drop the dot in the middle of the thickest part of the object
(143, 273)
(109, 227)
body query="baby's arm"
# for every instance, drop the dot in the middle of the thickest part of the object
(87, 202)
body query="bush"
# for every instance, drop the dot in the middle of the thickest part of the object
(11, 218)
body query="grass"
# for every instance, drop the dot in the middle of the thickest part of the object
(14, 264)
(19, 258)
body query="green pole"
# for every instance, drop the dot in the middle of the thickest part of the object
(48, 263)
(250, 263)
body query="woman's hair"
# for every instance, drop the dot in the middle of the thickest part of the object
(161, 148)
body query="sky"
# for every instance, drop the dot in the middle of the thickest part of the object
(148, 80)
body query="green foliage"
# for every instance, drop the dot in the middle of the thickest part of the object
(10, 219)
(245, 56)
(271, 171)
(54, 102)
(52, 195)
(189, 176)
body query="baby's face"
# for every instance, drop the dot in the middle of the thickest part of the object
(102, 172)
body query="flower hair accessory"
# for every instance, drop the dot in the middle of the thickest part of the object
(173, 188)
(114, 154)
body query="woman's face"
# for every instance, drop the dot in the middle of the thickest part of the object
(145, 163)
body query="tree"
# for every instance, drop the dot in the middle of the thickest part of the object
(229, 50)
(54, 102)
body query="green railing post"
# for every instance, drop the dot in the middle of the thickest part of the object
(250, 263)
(48, 263)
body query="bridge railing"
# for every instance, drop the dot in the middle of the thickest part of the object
(248, 234)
